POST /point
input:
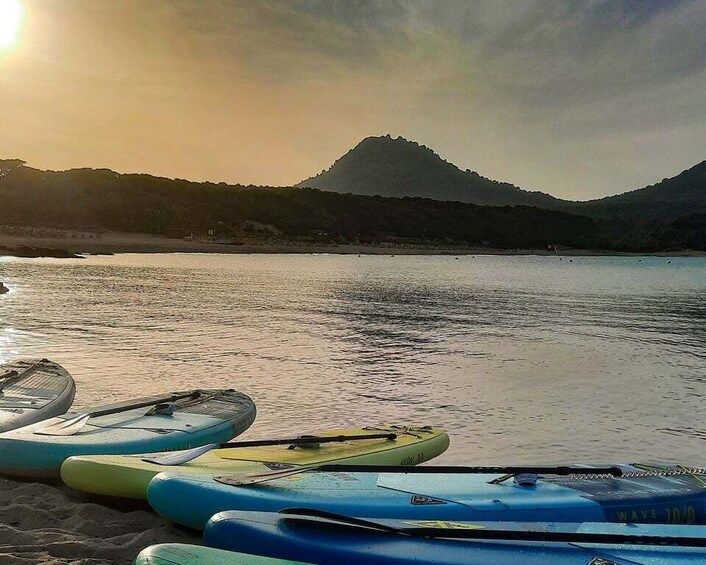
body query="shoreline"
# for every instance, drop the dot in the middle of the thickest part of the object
(115, 242)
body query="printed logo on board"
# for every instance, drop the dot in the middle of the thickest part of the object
(420, 500)
(279, 466)
(412, 460)
(443, 525)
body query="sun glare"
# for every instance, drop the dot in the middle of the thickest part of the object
(11, 13)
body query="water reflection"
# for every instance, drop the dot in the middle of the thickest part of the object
(523, 359)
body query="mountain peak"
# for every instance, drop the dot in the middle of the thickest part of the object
(388, 141)
(398, 167)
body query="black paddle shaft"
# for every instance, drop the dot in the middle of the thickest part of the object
(313, 517)
(143, 404)
(456, 469)
(307, 440)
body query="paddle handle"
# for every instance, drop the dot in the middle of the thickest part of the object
(8, 375)
(12, 376)
(143, 404)
(314, 440)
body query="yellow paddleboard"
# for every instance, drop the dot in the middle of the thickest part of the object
(127, 476)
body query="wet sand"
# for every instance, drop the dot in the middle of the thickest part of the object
(46, 523)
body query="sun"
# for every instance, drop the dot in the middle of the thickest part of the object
(11, 13)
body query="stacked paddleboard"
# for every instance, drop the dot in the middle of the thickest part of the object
(341, 540)
(174, 421)
(31, 391)
(448, 515)
(183, 554)
(626, 493)
(128, 476)
(341, 496)
(299, 536)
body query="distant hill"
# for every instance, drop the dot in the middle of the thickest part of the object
(397, 167)
(101, 199)
(666, 201)
(670, 214)
(664, 215)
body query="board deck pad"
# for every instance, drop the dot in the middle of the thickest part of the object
(42, 389)
(663, 497)
(218, 405)
(659, 498)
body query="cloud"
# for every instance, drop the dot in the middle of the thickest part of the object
(575, 98)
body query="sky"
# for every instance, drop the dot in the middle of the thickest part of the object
(577, 99)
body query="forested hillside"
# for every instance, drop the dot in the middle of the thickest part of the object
(88, 199)
(103, 199)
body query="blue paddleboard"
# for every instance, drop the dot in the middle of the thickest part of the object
(651, 496)
(329, 542)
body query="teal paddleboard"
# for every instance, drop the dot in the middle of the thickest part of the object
(644, 495)
(183, 554)
(329, 541)
(196, 418)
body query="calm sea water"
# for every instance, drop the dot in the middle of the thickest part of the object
(522, 359)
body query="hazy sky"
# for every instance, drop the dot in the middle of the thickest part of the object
(578, 99)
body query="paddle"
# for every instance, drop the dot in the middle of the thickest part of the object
(76, 424)
(186, 456)
(244, 480)
(12, 376)
(483, 533)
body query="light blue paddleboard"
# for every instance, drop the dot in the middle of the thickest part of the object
(328, 542)
(192, 500)
(33, 390)
(210, 416)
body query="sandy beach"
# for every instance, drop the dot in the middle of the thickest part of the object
(46, 523)
(116, 242)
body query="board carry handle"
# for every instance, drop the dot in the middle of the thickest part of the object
(483, 533)
(186, 456)
(245, 480)
(76, 424)
(12, 376)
